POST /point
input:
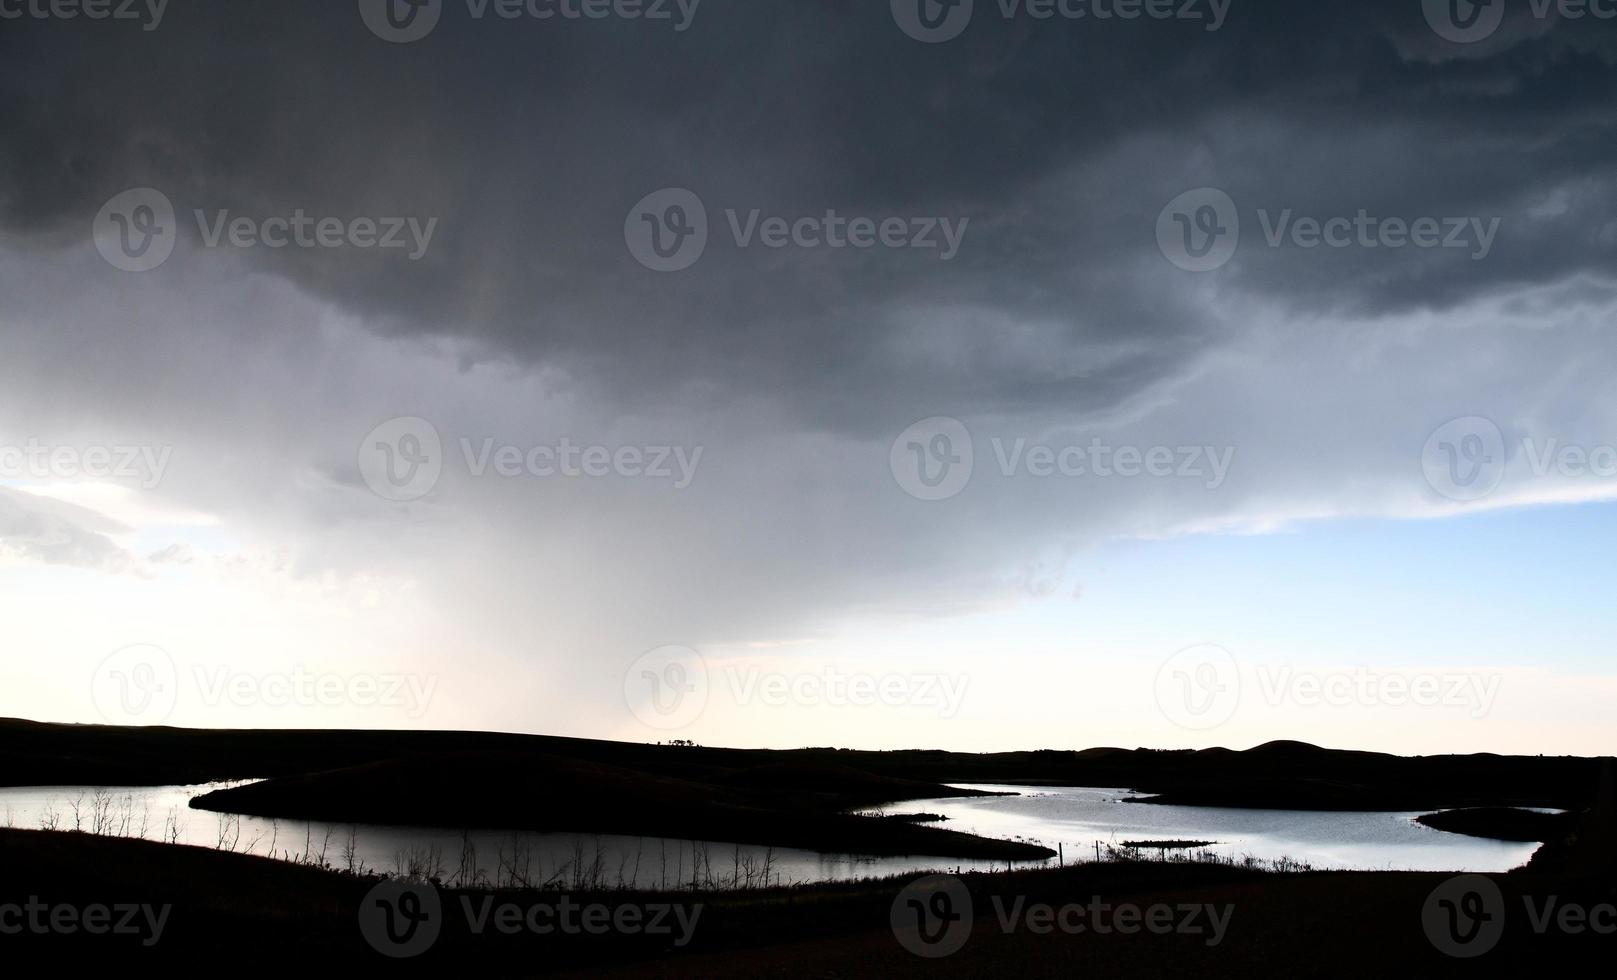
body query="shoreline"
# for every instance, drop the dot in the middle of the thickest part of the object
(268, 913)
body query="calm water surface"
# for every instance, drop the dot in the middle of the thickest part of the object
(1079, 817)
(1073, 818)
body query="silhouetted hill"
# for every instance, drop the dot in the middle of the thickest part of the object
(549, 793)
(1283, 775)
(1502, 823)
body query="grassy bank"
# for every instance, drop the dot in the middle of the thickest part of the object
(264, 916)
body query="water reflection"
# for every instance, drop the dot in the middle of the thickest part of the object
(1079, 819)
(1079, 822)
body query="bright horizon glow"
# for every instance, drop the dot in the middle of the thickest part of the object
(1073, 655)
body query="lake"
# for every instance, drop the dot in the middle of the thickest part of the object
(1079, 817)
(1072, 817)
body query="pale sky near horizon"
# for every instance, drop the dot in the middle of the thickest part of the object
(1031, 471)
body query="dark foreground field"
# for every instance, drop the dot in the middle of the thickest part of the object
(254, 915)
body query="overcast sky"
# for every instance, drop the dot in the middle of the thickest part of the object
(782, 373)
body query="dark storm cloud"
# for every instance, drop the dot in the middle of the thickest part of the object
(1060, 141)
